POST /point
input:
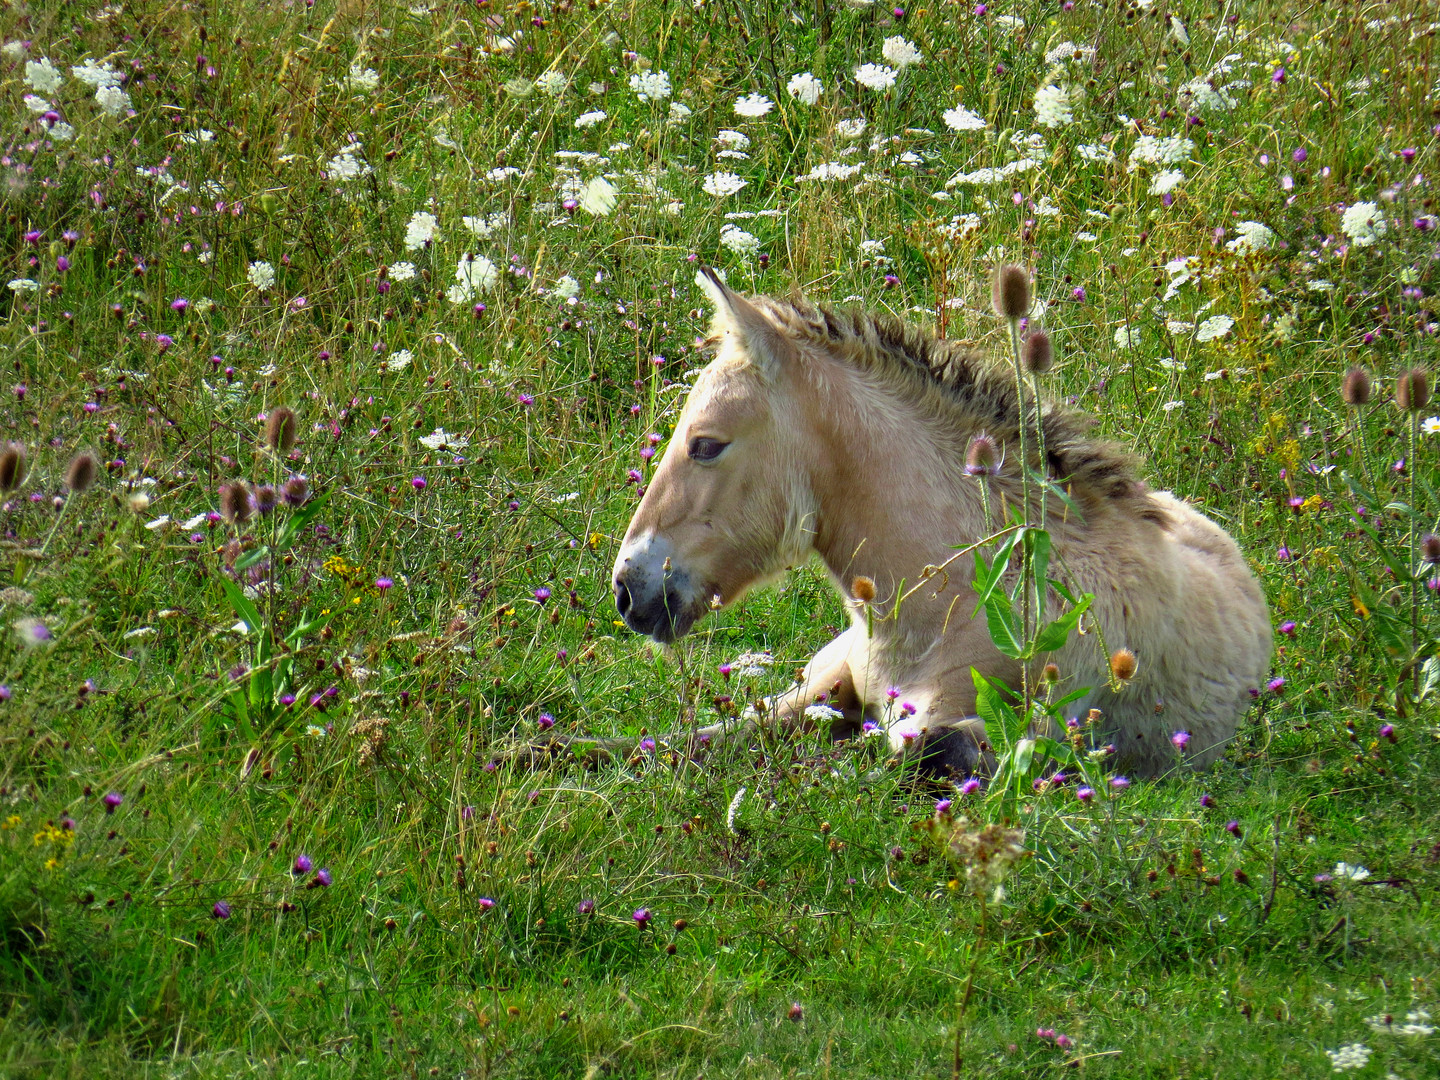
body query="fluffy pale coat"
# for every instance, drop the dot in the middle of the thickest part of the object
(844, 435)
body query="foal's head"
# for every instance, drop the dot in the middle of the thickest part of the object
(729, 503)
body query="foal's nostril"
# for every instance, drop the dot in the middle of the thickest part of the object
(622, 598)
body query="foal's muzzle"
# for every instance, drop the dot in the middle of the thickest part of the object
(652, 597)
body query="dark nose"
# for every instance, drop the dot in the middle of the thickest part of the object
(622, 598)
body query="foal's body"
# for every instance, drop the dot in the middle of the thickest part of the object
(846, 437)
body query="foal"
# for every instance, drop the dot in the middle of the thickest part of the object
(844, 435)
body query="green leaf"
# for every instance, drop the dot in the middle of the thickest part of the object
(251, 557)
(299, 519)
(242, 605)
(1038, 549)
(990, 704)
(1000, 619)
(996, 570)
(1054, 636)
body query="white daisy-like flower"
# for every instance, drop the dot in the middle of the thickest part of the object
(589, 119)
(962, 119)
(805, 88)
(43, 76)
(397, 361)
(362, 78)
(598, 197)
(402, 271)
(851, 129)
(738, 240)
(1166, 182)
(721, 184)
(875, 76)
(1216, 326)
(1251, 236)
(1363, 223)
(1430, 425)
(896, 50)
(473, 273)
(96, 75)
(112, 100)
(440, 439)
(753, 106)
(734, 140)
(650, 85)
(261, 275)
(1052, 106)
(420, 231)
(552, 83)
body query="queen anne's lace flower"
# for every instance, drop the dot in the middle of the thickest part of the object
(805, 88)
(650, 85)
(1216, 326)
(896, 50)
(1350, 1056)
(962, 119)
(261, 275)
(43, 76)
(552, 83)
(589, 119)
(722, 183)
(753, 106)
(112, 100)
(1166, 182)
(1250, 236)
(875, 76)
(1052, 106)
(1363, 223)
(420, 231)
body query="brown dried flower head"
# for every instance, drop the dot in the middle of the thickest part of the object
(982, 456)
(280, 430)
(1355, 387)
(296, 491)
(1430, 548)
(80, 476)
(863, 589)
(12, 466)
(1123, 664)
(1010, 292)
(1412, 391)
(235, 505)
(1038, 356)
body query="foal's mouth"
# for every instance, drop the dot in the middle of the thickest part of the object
(664, 618)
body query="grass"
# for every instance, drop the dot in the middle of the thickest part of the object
(801, 920)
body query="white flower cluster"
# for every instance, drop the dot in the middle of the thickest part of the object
(829, 170)
(650, 85)
(473, 274)
(896, 50)
(1350, 1056)
(721, 184)
(736, 239)
(261, 275)
(962, 119)
(348, 164)
(485, 225)
(421, 231)
(805, 88)
(1053, 107)
(1216, 326)
(875, 76)
(1363, 223)
(753, 106)
(1170, 150)
(552, 83)
(1250, 236)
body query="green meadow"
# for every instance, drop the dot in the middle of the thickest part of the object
(337, 341)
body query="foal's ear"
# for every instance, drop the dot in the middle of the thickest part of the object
(767, 346)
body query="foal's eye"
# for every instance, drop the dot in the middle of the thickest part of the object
(702, 449)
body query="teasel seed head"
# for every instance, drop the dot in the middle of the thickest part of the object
(1355, 388)
(80, 476)
(1412, 390)
(1038, 356)
(1123, 664)
(982, 457)
(1010, 292)
(12, 466)
(235, 502)
(266, 498)
(296, 491)
(1430, 549)
(863, 589)
(280, 430)
(1051, 673)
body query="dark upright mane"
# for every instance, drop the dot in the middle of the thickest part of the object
(953, 380)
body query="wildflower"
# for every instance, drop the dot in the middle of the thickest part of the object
(12, 466)
(942, 805)
(753, 106)
(1349, 1056)
(81, 473)
(797, 1012)
(1353, 873)
(1412, 390)
(221, 910)
(805, 88)
(112, 100)
(642, 917)
(1207, 800)
(1355, 389)
(1276, 684)
(323, 878)
(1216, 326)
(722, 183)
(1123, 664)
(851, 129)
(545, 721)
(647, 744)
(1038, 356)
(1063, 1041)
(1085, 793)
(650, 85)
(402, 271)
(589, 119)
(542, 594)
(982, 457)
(296, 491)
(585, 907)
(1052, 107)
(1180, 740)
(473, 273)
(969, 787)
(486, 903)
(420, 232)
(1387, 731)
(1166, 182)
(384, 583)
(112, 801)
(179, 304)
(1233, 828)
(235, 504)
(399, 360)
(1363, 223)
(261, 275)
(738, 240)
(418, 483)
(1119, 783)
(962, 119)
(265, 499)
(280, 429)
(875, 76)
(552, 83)
(896, 50)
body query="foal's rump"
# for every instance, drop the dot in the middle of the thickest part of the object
(1203, 641)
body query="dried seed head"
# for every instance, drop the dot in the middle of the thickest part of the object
(982, 457)
(265, 498)
(235, 502)
(1355, 388)
(863, 589)
(280, 430)
(1430, 548)
(81, 473)
(1010, 292)
(1412, 391)
(1051, 673)
(12, 466)
(1123, 664)
(1039, 354)
(297, 491)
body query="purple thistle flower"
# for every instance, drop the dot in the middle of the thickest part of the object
(546, 721)
(647, 744)
(1233, 827)
(542, 594)
(179, 304)
(467, 813)
(4, 692)
(1078, 293)
(1283, 555)
(1276, 684)
(303, 865)
(1181, 739)
(1059, 779)
(419, 483)
(112, 801)
(797, 1011)
(287, 700)
(384, 583)
(1278, 77)
(1387, 731)
(323, 878)
(221, 910)
(642, 917)
(941, 806)
(969, 787)
(1299, 155)
(1085, 793)
(486, 903)
(1119, 783)
(1207, 800)
(585, 907)
(1288, 628)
